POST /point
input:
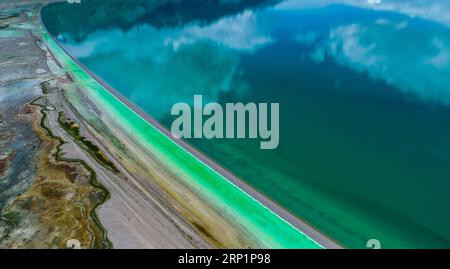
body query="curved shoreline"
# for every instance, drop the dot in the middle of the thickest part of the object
(239, 184)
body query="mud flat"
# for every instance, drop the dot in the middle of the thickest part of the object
(45, 199)
(55, 184)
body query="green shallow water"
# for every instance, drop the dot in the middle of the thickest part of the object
(363, 90)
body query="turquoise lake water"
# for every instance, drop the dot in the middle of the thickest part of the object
(363, 89)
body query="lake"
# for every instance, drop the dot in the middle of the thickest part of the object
(363, 89)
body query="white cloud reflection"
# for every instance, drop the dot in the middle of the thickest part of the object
(175, 63)
(434, 10)
(241, 32)
(202, 58)
(413, 60)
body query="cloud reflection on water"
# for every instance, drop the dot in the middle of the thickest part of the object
(411, 54)
(415, 59)
(434, 10)
(178, 62)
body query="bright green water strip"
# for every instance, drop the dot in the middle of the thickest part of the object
(272, 230)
